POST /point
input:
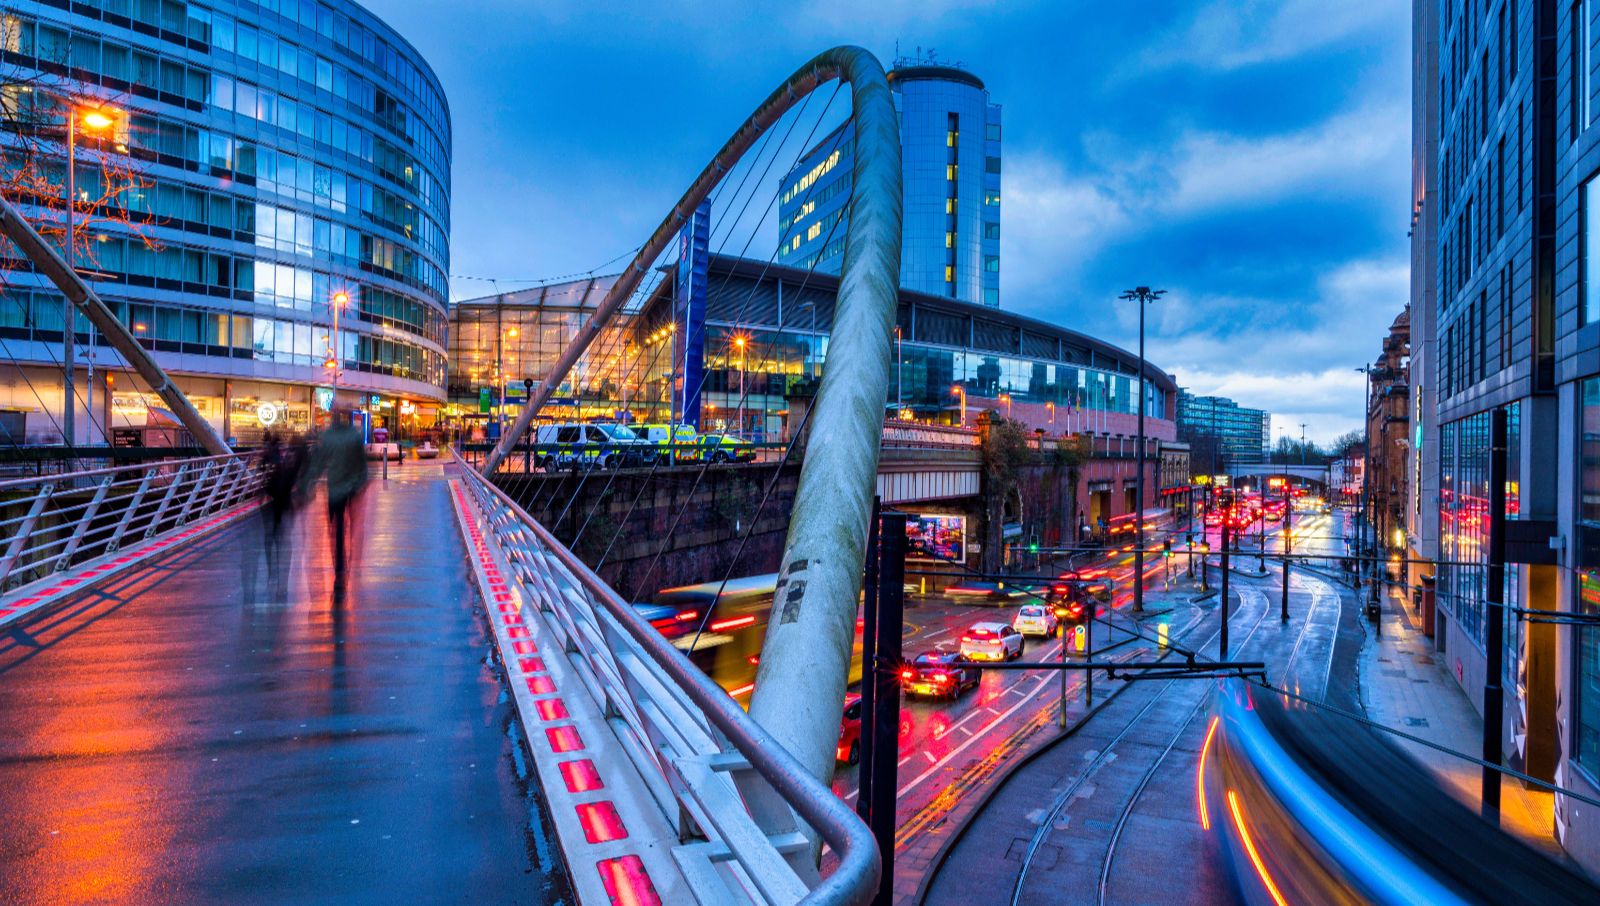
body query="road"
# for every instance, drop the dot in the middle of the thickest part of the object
(200, 731)
(1110, 813)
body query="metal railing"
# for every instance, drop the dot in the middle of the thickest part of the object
(50, 524)
(741, 800)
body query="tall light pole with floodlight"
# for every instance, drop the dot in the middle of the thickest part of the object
(740, 343)
(1142, 295)
(94, 119)
(961, 392)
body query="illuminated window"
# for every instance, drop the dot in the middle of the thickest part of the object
(991, 198)
(814, 232)
(949, 274)
(949, 240)
(796, 243)
(950, 171)
(949, 205)
(950, 139)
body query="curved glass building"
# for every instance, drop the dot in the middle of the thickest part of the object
(275, 157)
(950, 153)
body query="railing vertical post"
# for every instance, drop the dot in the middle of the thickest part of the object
(189, 505)
(166, 501)
(867, 740)
(884, 678)
(85, 522)
(131, 513)
(20, 539)
(217, 486)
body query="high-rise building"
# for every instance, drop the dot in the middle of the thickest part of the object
(280, 155)
(950, 148)
(1421, 518)
(1219, 431)
(1511, 315)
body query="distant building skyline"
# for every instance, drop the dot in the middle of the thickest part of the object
(1239, 433)
(950, 152)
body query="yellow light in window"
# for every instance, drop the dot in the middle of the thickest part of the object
(949, 274)
(949, 240)
(950, 171)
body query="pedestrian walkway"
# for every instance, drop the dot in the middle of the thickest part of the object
(1405, 687)
(200, 729)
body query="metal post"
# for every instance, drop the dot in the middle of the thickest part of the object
(867, 747)
(1088, 653)
(527, 451)
(1138, 482)
(1061, 627)
(1222, 649)
(69, 405)
(1288, 545)
(1495, 613)
(886, 720)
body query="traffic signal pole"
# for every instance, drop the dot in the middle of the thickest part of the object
(1222, 649)
(1494, 636)
(1288, 546)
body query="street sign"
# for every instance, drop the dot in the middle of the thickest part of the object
(484, 400)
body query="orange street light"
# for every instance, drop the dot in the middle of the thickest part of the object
(961, 392)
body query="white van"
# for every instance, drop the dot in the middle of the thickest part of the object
(582, 446)
(669, 442)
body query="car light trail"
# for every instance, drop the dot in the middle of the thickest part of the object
(1250, 847)
(1200, 776)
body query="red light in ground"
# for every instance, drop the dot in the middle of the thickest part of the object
(550, 708)
(564, 739)
(580, 776)
(627, 883)
(601, 823)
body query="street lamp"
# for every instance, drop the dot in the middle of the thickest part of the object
(1143, 295)
(339, 300)
(961, 392)
(93, 120)
(1006, 398)
(739, 343)
(1050, 406)
(899, 371)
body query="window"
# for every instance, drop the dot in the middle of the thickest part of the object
(991, 230)
(991, 198)
(950, 171)
(1511, 39)
(1589, 250)
(991, 263)
(992, 132)
(949, 273)
(1575, 80)
(991, 165)
(949, 240)
(1586, 709)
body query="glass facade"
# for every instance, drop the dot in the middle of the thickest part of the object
(281, 153)
(1242, 433)
(1586, 704)
(1464, 527)
(951, 161)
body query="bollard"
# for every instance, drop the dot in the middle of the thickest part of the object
(1161, 636)
(1078, 639)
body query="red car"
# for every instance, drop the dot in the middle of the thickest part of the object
(849, 748)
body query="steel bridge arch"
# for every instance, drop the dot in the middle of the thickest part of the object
(804, 663)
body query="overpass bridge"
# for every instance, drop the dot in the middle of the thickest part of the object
(1309, 474)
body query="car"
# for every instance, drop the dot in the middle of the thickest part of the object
(427, 450)
(938, 674)
(671, 443)
(1035, 619)
(1092, 583)
(991, 642)
(849, 748)
(726, 448)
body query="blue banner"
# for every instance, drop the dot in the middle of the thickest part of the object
(689, 312)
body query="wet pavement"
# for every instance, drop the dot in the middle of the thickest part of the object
(205, 729)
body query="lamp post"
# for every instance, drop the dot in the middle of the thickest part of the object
(1006, 398)
(1302, 443)
(1363, 522)
(739, 343)
(95, 119)
(1142, 295)
(961, 392)
(899, 373)
(339, 300)
(1051, 408)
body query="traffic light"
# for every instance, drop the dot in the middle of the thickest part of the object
(1166, 547)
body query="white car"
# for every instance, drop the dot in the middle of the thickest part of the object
(1035, 619)
(991, 642)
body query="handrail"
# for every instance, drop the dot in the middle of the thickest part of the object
(52, 523)
(855, 878)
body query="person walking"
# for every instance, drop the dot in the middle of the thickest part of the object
(340, 457)
(282, 465)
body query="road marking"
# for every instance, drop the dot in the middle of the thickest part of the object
(965, 730)
(970, 740)
(991, 711)
(947, 730)
(902, 761)
(930, 757)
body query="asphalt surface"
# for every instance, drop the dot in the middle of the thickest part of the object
(1108, 813)
(204, 730)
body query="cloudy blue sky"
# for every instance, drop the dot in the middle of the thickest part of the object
(1250, 157)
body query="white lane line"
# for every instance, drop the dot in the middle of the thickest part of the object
(947, 730)
(974, 738)
(992, 711)
(902, 761)
(930, 757)
(935, 635)
(965, 730)
(1014, 691)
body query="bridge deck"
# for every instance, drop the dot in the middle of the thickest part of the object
(203, 730)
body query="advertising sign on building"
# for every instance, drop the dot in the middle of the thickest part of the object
(689, 313)
(939, 539)
(485, 401)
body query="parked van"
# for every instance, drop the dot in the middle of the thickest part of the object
(671, 443)
(573, 445)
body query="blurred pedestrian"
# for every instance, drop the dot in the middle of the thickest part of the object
(282, 464)
(340, 456)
